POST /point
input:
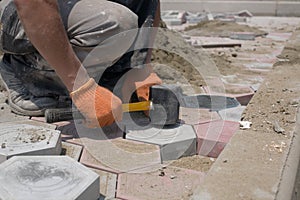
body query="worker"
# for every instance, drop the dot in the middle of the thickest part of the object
(53, 48)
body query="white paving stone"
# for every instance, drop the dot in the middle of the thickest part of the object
(174, 142)
(47, 177)
(25, 139)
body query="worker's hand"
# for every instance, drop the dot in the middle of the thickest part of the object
(139, 80)
(99, 106)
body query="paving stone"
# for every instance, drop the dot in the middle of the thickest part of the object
(242, 94)
(243, 36)
(241, 80)
(169, 183)
(119, 155)
(213, 136)
(108, 184)
(259, 66)
(173, 22)
(67, 129)
(39, 119)
(34, 123)
(232, 114)
(279, 36)
(25, 139)
(212, 102)
(174, 141)
(72, 150)
(7, 116)
(213, 42)
(51, 177)
(195, 116)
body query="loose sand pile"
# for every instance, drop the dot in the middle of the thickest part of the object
(220, 29)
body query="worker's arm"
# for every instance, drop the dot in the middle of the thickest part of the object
(45, 30)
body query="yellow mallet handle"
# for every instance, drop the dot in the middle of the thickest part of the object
(139, 106)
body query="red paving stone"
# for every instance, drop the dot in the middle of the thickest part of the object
(176, 184)
(39, 119)
(196, 116)
(120, 155)
(213, 136)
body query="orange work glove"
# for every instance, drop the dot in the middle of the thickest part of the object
(143, 87)
(139, 80)
(98, 105)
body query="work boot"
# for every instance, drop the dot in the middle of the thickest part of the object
(20, 99)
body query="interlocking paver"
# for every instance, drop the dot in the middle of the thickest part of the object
(72, 150)
(213, 136)
(119, 155)
(68, 130)
(195, 116)
(108, 184)
(242, 94)
(174, 142)
(25, 139)
(232, 114)
(51, 177)
(212, 102)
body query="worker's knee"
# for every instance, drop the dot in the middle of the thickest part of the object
(101, 31)
(92, 21)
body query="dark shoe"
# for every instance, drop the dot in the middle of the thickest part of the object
(20, 99)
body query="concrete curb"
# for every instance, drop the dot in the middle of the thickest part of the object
(273, 8)
(290, 170)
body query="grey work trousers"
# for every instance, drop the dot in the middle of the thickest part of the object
(100, 32)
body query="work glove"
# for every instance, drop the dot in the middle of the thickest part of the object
(139, 80)
(98, 105)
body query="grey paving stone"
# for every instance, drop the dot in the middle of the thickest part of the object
(108, 184)
(47, 177)
(25, 139)
(7, 116)
(174, 142)
(72, 150)
(232, 114)
(243, 36)
(38, 123)
(212, 102)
